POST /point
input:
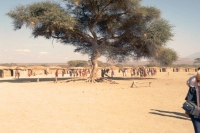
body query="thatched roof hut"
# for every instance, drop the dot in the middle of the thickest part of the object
(75, 68)
(190, 69)
(18, 68)
(4, 72)
(179, 69)
(55, 68)
(165, 69)
(36, 70)
(37, 67)
(114, 67)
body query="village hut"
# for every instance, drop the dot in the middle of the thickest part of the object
(166, 69)
(12, 71)
(75, 68)
(52, 69)
(189, 69)
(179, 69)
(114, 68)
(175, 69)
(127, 68)
(157, 69)
(162, 69)
(36, 70)
(195, 69)
(20, 70)
(182, 69)
(1, 73)
(6, 72)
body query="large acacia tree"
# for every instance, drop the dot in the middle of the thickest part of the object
(116, 29)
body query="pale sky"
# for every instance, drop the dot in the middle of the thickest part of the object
(20, 47)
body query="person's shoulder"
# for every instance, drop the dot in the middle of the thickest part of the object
(192, 81)
(192, 77)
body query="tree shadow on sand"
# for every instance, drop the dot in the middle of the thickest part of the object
(130, 78)
(67, 79)
(172, 114)
(27, 80)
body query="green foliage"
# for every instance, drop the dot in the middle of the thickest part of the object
(183, 65)
(45, 65)
(116, 29)
(102, 64)
(82, 63)
(9, 64)
(77, 63)
(152, 65)
(120, 66)
(197, 60)
(44, 18)
(166, 56)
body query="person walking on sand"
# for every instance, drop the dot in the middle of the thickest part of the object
(112, 73)
(63, 72)
(46, 72)
(193, 96)
(125, 72)
(16, 72)
(56, 76)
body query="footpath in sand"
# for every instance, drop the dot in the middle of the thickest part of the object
(80, 107)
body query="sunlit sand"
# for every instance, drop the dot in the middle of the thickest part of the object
(80, 107)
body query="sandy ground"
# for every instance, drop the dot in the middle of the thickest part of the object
(80, 107)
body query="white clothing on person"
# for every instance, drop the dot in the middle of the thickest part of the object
(191, 81)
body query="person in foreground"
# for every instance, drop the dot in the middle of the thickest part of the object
(191, 81)
(193, 96)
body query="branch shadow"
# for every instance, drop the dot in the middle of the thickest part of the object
(130, 78)
(26, 80)
(172, 114)
(34, 79)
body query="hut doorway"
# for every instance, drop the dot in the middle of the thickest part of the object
(1, 74)
(11, 73)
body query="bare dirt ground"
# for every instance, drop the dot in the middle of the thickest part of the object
(80, 107)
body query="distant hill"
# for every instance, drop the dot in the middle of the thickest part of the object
(136, 63)
(193, 56)
(184, 61)
(33, 64)
(188, 59)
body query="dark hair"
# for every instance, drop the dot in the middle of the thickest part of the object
(198, 68)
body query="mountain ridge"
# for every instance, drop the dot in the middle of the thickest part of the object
(193, 56)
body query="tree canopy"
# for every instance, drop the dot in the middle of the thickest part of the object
(197, 60)
(166, 56)
(116, 29)
(83, 63)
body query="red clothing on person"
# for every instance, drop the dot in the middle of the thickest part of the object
(56, 73)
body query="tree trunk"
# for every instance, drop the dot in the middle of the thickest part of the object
(94, 63)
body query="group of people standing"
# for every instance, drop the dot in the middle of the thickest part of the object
(104, 72)
(74, 72)
(78, 72)
(143, 72)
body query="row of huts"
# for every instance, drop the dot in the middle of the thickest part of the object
(25, 71)
(41, 70)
